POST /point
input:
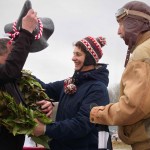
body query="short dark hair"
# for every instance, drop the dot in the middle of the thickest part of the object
(3, 45)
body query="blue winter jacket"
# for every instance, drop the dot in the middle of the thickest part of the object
(72, 129)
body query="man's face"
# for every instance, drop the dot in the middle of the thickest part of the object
(121, 30)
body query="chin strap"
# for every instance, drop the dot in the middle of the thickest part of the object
(127, 58)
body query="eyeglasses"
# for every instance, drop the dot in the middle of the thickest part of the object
(124, 12)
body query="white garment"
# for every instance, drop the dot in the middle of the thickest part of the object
(29, 142)
(102, 139)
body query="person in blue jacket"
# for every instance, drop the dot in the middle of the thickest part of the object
(76, 95)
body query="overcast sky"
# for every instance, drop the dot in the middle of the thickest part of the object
(73, 20)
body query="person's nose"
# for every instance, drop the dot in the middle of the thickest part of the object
(119, 30)
(73, 58)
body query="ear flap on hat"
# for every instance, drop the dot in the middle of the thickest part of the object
(48, 28)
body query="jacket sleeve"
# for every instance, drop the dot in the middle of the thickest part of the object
(52, 89)
(79, 126)
(16, 59)
(133, 104)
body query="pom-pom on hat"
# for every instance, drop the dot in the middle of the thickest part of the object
(44, 30)
(93, 48)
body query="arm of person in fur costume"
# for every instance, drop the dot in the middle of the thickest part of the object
(133, 104)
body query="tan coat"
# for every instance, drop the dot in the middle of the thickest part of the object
(132, 112)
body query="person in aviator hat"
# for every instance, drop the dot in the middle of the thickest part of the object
(76, 96)
(43, 31)
(132, 112)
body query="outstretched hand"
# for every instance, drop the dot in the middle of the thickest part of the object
(30, 21)
(46, 107)
(39, 129)
(95, 113)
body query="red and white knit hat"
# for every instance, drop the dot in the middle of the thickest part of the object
(94, 46)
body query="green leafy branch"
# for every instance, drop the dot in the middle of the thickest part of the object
(19, 119)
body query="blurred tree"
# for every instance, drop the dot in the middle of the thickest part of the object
(114, 92)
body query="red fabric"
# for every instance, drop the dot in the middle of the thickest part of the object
(34, 148)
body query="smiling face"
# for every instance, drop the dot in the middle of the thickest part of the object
(78, 58)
